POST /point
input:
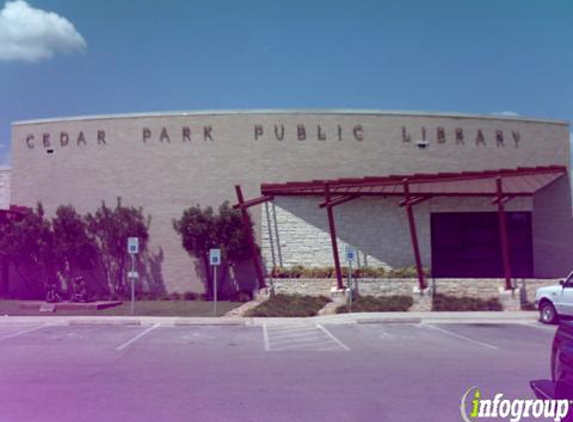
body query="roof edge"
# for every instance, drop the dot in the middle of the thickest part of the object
(290, 111)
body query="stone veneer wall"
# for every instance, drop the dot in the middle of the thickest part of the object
(376, 227)
(303, 286)
(481, 288)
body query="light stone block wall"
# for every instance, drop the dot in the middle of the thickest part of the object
(303, 286)
(377, 228)
(479, 288)
(166, 175)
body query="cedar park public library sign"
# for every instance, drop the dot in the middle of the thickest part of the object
(279, 132)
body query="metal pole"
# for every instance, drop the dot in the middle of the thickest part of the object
(214, 290)
(333, 241)
(279, 252)
(349, 286)
(271, 242)
(132, 285)
(503, 235)
(414, 237)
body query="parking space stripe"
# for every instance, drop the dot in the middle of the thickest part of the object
(137, 337)
(461, 337)
(329, 334)
(19, 333)
(266, 338)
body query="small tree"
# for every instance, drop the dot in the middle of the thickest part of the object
(73, 248)
(202, 229)
(110, 228)
(197, 228)
(30, 241)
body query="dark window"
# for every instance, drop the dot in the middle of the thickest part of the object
(467, 244)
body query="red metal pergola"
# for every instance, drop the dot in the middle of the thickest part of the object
(500, 185)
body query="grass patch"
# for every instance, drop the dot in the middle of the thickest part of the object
(282, 305)
(452, 303)
(378, 304)
(142, 308)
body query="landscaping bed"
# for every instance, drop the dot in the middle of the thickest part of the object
(282, 305)
(442, 302)
(378, 304)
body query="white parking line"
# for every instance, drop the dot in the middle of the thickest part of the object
(137, 337)
(329, 334)
(19, 333)
(266, 338)
(471, 340)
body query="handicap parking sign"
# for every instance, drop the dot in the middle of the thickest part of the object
(215, 256)
(350, 254)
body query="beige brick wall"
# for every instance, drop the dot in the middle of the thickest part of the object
(167, 176)
(5, 188)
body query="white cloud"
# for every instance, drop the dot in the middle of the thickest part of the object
(29, 34)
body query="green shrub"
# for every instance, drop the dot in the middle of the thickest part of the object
(378, 304)
(191, 296)
(451, 303)
(282, 305)
(300, 271)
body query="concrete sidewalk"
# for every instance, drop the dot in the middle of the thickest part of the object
(353, 318)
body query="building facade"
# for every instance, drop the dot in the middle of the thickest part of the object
(166, 163)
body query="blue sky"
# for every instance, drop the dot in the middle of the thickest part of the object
(117, 56)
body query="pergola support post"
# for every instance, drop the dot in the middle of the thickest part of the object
(332, 230)
(250, 239)
(503, 234)
(414, 236)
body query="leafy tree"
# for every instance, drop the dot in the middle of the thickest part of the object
(202, 229)
(73, 248)
(30, 241)
(110, 228)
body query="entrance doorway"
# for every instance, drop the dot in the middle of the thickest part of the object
(467, 244)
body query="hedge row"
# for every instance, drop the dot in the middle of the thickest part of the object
(300, 271)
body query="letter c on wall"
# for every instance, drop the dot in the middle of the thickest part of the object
(29, 140)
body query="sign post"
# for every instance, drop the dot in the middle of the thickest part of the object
(132, 249)
(350, 258)
(215, 261)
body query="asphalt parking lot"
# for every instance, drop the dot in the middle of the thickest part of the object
(300, 371)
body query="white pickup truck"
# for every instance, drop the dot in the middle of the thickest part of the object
(555, 301)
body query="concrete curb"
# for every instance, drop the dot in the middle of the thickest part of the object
(346, 319)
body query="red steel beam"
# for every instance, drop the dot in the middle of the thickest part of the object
(414, 236)
(333, 241)
(252, 245)
(414, 201)
(315, 187)
(503, 234)
(253, 202)
(338, 201)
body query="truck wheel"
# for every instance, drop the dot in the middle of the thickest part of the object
(547, 313)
